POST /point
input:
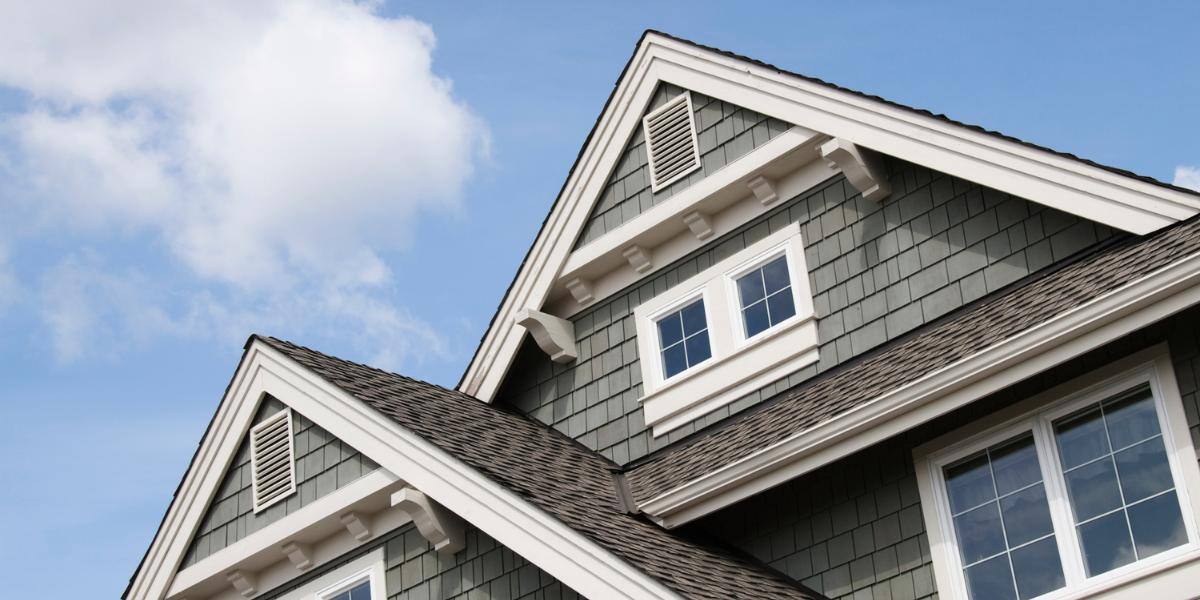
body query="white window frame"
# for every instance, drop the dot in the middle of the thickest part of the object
(1037, 415)
(738, 365)
(369, 567)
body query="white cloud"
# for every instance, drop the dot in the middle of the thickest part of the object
(277, 150)
(1188, 177)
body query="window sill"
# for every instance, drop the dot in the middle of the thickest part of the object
(721, 381)
(1167, 577)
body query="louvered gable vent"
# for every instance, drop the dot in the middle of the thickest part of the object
(272, 460)
(671, 141)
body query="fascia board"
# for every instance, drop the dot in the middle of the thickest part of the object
(1101, 320)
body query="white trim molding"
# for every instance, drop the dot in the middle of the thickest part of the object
(823, 112)
(441, 528)
(1093, 324)
(1033, 419)
(564, 553)
(738, 365)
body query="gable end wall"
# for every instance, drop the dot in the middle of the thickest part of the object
(877, 271)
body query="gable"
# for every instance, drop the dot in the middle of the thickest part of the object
(820, 114)
(724, 133)
(323, 464)
(876, 270)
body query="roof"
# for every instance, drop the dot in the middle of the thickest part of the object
(552, 472)
(959, 334)
(734, 55)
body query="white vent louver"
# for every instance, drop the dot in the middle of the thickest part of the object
(671, 142)
(271, 460)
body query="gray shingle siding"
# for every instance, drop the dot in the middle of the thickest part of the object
(724, 133)
(483, 570)
(323, 464)
(877, 272)
(854, 529)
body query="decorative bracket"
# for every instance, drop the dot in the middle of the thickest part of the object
(861, 166)
(638, 258)
(700, 224)
(356, 525)
(764, 190)
(299, 554)
(442, 528)
(581, 290)
(243, 582)
(553, 335)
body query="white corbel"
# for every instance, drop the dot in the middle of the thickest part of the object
(553, 335)
(764, 190)
(243, 582)
(638, 258)
(581, 289)
(299, 554)
(861, 167)
(700, 224)
(442, 528)
(356, 524)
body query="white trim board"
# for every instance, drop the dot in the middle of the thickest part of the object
(1095, 323)
(1126, 203)
(557, 549)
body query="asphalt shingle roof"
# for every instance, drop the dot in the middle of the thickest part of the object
(960, 334)
(552, 472)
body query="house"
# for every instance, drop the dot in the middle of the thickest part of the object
(775, 339)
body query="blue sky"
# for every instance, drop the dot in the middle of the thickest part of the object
(175, 177)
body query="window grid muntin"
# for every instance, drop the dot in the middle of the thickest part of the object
(684, 337)
(1040, 419)
(760, 270)
(997, 498)
(1102, 406)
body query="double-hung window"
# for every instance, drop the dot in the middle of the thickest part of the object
(765, 296)
(683, 337)
(1082, 492)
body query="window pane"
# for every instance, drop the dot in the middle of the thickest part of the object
(1157, 525)
(775, 275)
(362, 592)
(1037, 568)
(756, 319)
(750, 288)
(991, 580)
(693, 318)
(1082, 439)
(1132, 420)
(1144, 470)
(674, 361)
(969, 484)
(782, 306)
(1093, 489)
(1026, 515)
(980, 533)
(697, 349)
(1015, 466)
(1106, 544)
(670, 330)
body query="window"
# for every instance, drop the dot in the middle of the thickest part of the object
(683, 337)
(765, 296)
(733, 328)
(1083, 492)
(357, 591)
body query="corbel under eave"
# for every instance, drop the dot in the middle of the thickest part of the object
(861, 167)
(439, 526)
(555, 336)
(243, 582)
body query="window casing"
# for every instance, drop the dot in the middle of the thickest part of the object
(1037, 507)
(738, 359)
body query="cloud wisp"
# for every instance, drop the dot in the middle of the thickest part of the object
(1188, 177)
(272, 153)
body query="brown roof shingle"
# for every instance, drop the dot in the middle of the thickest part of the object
(552, 472)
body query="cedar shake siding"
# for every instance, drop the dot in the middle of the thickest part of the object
(877, 271)
(854, 529)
